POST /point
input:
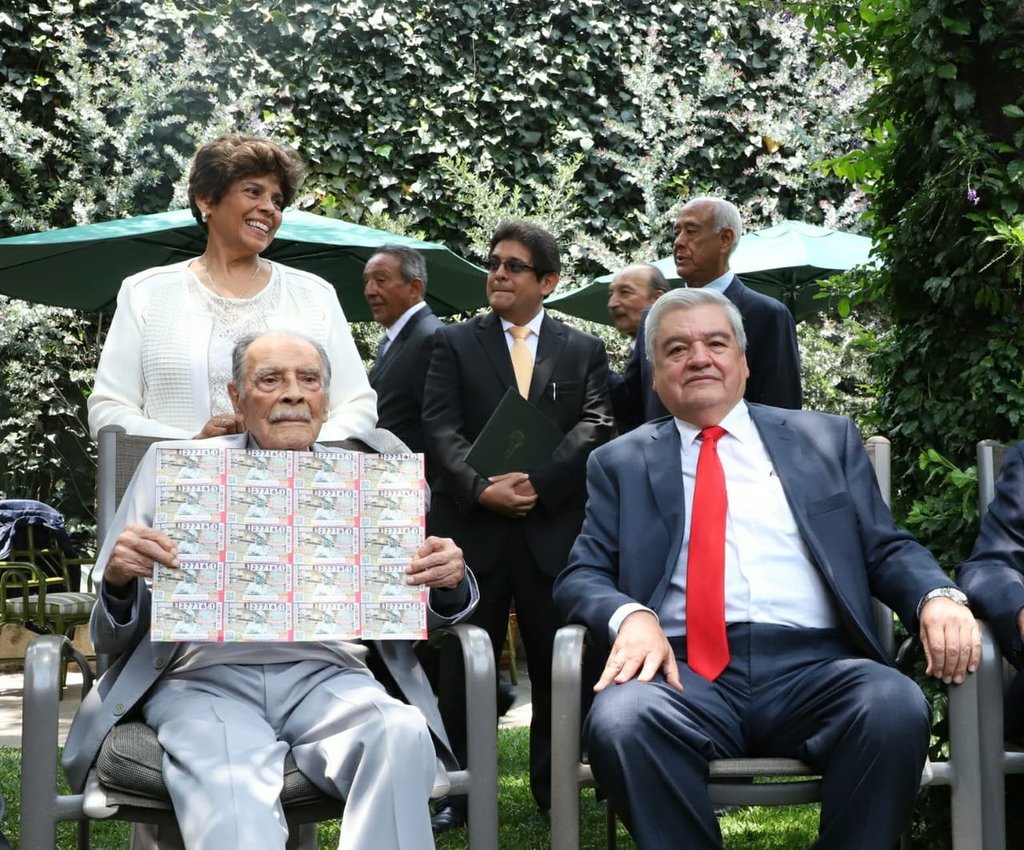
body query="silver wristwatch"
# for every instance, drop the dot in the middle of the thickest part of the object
(954, 593)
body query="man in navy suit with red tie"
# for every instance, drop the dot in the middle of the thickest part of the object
(773, 521)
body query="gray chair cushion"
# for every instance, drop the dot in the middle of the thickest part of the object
(130, 763)
(65, 603)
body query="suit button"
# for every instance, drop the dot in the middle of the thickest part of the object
(119, 709)
(159, 663)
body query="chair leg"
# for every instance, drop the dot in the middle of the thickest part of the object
(611, 838)
(302, 838)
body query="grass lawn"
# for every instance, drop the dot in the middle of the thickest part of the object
(522, 828)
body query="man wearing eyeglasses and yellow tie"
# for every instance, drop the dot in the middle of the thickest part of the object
(516, 529)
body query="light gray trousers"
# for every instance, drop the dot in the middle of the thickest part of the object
(226, 731)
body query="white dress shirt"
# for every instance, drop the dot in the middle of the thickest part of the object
(769, 575)
(395, 329)
(531, 338)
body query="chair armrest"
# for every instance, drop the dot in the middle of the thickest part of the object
(990, 696)
(39, 732)
(566, 694)
(480, 778)
(567, 772)
(481, 703)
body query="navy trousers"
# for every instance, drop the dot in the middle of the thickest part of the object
(796, 693)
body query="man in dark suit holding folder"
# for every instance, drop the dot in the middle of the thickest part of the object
(516, 528)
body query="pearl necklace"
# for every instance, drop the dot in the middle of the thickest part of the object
(246, 289)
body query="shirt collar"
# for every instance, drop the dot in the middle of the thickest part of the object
(720, 284)
(737, 422)
(396, 327)
(534, 323)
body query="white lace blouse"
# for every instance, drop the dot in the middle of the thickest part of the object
(166, 361)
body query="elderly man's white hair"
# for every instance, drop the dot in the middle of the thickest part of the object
(726, 215)
(242, 347)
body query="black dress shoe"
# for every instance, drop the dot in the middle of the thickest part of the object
(447, 817)
(506, 696)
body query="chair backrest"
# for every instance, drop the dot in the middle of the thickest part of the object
(990, 463)
(118, 455)
(879, 451)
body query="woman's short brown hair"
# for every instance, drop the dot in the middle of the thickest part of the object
(227, 159)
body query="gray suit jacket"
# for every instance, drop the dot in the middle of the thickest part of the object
(140, 662)
(633, 532)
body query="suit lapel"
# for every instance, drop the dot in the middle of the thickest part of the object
(381, 366)
(798, 475)
(665, 473)
(549, 346)
(492, 341)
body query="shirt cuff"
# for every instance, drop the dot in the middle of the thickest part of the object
(623, 611)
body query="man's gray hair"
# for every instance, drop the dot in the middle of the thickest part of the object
(726, 215)
(687, 299)
(242, 348)
(411, 262)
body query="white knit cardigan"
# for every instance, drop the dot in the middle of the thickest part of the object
(153, 375)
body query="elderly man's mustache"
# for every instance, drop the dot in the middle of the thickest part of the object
(290, 416)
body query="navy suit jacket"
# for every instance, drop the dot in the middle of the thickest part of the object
(772, 355)
(399, 378)
(633, 531)
(993, 577)
(469, 373)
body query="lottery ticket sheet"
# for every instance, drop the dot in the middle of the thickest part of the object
(289, 546)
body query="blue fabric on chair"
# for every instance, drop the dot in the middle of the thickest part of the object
(17, 517)
(18, 514)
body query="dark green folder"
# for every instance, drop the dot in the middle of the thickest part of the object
(517, 438)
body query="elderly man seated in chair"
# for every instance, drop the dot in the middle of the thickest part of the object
(729, 556)
(227, 714)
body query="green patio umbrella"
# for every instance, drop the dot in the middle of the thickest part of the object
(82, 267)
(783, 261)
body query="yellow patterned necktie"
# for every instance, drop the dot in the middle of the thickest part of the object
(522, 362)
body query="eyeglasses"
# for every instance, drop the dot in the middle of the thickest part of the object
(511, 266)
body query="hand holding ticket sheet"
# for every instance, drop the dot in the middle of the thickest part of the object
(289, 546)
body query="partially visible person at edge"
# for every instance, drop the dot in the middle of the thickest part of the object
(632, 291)
(166, 361)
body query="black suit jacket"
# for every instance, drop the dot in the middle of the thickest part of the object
(399, 378)
(470, 370)
(772, 355)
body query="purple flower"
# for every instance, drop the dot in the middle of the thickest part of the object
(973, 197)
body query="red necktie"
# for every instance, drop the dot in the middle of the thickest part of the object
(707, 649)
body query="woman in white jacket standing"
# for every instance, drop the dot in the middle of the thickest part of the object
(166, 361)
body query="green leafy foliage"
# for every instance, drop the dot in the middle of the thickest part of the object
(598, 129)
(45, 451)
